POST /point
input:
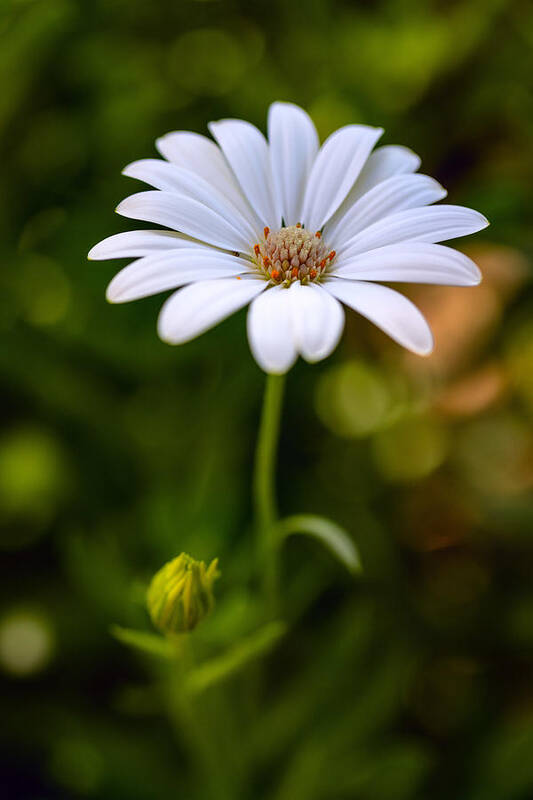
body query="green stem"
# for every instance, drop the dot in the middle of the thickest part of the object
(191, 720)
(264, 489)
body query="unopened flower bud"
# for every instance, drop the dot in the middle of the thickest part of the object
(181, 594)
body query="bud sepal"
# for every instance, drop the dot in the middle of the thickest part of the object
(181, 594)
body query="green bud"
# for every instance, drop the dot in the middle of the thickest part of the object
(181, 594)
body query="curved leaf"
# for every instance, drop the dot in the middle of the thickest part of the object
(223, 666)
(150, 643)
(335, 538)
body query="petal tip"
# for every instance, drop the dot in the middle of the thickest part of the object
(427, 350)
(94, 253)
(426, 347)
(475, 275)
(116, 293)
(163, 328)
(111, 295)
(284, 104)
(166, 339)
(164, 334)
(160, 143)
(481, 220)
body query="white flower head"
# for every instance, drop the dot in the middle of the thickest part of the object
(293, 229)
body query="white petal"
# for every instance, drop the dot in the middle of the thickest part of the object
(270, 331)
(247, 153)
(336, 167)
(429, 224)
(196, 308)
(201, 155)
(389, 310)
(392, 195)
(132, 244)
(383, 163)
(168, 270)
(318, 321)
(293, 144)
(183, 213)
(411, 262)
(169, 177)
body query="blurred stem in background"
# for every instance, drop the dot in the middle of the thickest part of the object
(194, 721)
(264, 491)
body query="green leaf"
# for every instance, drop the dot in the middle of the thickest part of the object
(335, 538)
(150, 643)
(237, 657)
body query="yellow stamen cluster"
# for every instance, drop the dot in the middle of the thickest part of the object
(291, 254)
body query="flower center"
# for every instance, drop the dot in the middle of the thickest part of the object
(292, 254)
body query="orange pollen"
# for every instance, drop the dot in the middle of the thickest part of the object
(291, 253)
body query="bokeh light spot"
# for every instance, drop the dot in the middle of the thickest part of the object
(411, 449)
(355, 399)
(26, 643)
(33, 476)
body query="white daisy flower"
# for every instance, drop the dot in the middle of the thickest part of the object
(290, 227)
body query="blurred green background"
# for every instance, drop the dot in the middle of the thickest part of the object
(117, 452)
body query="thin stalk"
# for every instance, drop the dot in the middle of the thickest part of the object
(264, 490)
(191, 722)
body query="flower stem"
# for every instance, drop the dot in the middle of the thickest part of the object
(264, 489)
